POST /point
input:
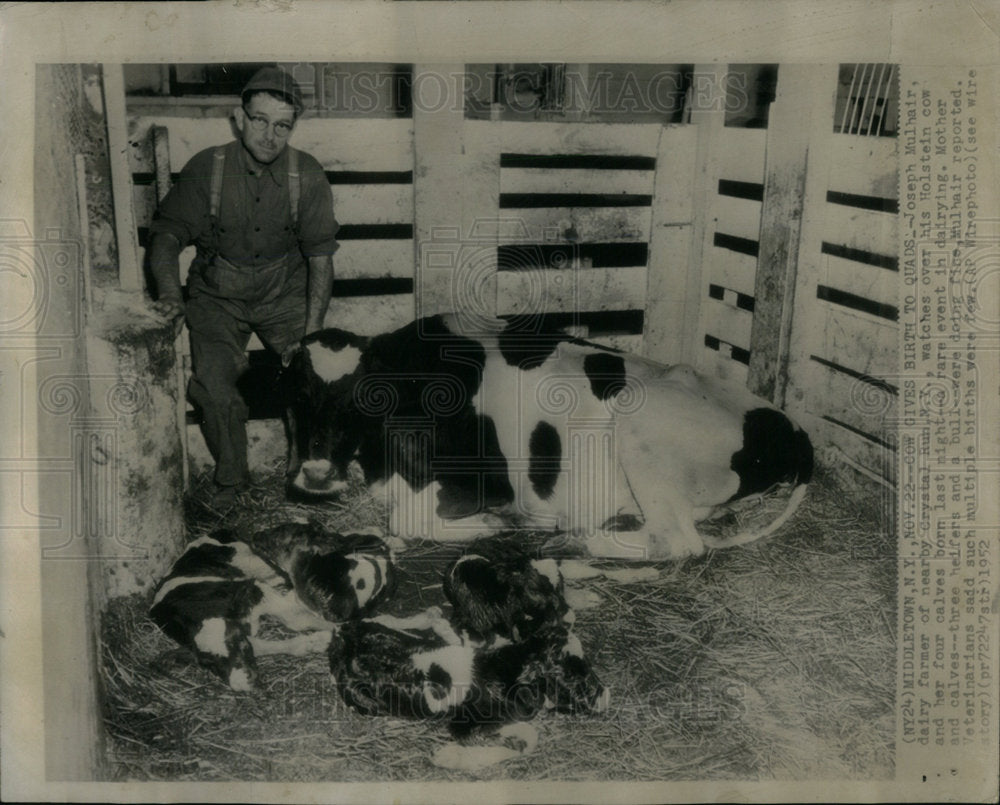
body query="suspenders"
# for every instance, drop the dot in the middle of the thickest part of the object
(215, 190)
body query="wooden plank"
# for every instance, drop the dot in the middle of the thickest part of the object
(626, 343)
(850, 400)
(140, 152)
(732, 270)
(365, 259)
(728, 323)
(373, 203)
(676, 163)
(438, 183)
(741, 154)
(719, 365)
(569, 290)
(583, 225)
(737, 216)
(573, 138)
(143, 204)
(861, 279)
(668, 310)
(835, 444)
(370, 315)
(129, 267)
(856, 340)
(672, 287)
(554, 180)
(348, 144)
(866, 166)
(707, 119)
(357, 144)
(800, 125)
(869, 231)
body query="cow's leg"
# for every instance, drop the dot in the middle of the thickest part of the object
(431, 618)
(413, 514)
(287, 608)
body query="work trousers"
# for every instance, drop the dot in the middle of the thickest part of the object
(220, 329)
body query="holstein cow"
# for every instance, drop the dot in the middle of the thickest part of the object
(465, 430)
(212, 600)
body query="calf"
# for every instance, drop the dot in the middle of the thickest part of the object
(464, 430)
(498, 592)
(212, 600)
(418, 668)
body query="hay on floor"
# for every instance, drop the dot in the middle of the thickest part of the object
(769, 661)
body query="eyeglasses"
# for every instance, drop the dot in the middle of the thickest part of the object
(282, 128)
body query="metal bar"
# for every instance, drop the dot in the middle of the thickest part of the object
(849, 101)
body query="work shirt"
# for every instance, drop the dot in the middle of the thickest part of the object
(255, 222)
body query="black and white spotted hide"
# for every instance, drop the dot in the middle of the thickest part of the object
(213, 598)
(498, 592)
(417, 673)
(347, 582)
(216, 593)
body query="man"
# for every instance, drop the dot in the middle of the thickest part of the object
(261, 216)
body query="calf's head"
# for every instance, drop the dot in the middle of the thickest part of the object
(340, 585)
(324, 422)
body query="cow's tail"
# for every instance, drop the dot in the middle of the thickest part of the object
(802, 459)
(742, 538)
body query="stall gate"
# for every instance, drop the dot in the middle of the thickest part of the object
(765, 257)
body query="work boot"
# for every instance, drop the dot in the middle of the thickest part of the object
(223, 498)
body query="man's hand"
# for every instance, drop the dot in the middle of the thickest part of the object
(170, 310)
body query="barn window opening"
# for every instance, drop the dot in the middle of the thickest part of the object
(329, 89)
(750, 89)
(867, 100)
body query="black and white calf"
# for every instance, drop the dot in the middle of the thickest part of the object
(496, 592)
(217, 591)
(466, 429)
(419, 668)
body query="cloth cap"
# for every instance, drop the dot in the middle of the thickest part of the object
(274, 79)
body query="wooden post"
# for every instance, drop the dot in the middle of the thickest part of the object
(708, 113)
(799, 129)
(456, 199)
(129, 270)
(671, 302)
(438, 117)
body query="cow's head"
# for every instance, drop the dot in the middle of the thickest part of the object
(324, 422)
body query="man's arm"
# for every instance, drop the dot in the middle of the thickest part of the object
(319, 290)
(164, 262)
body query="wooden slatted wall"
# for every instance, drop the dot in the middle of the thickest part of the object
(837, 366)
(844, 368)
(734, 195)
(584, 210)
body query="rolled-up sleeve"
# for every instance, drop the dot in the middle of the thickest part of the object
(317, 224)
(184, 211)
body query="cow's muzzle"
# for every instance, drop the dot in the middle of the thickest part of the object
(318, 477)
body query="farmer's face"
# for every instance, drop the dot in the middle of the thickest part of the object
(264, 124)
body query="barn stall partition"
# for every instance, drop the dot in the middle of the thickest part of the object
(763, 255)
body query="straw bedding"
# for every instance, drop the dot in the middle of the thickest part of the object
(769, 661)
